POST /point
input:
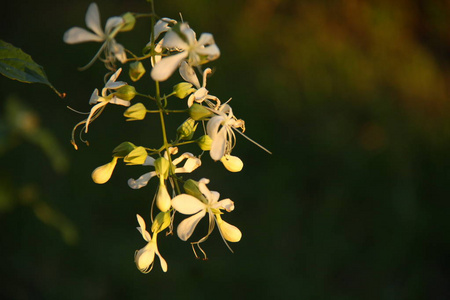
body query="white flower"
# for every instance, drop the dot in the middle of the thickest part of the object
(193, 51)
(160, 27)
(111, 48)
(189, 166)
(105, 98)
(220, 130)
(144, 258)
(201, 94)
(190, 205)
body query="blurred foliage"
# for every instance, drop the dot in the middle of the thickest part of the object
(352, 97)
(21, 125)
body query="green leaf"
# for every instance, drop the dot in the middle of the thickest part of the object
(16, 64)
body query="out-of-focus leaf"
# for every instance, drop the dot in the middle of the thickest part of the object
(16, 64)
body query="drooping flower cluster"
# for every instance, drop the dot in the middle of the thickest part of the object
(173, 46)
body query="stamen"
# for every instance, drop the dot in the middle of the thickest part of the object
(224, 240)
(252, 141)
(78, 112)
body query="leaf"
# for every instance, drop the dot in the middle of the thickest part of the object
(16, 64)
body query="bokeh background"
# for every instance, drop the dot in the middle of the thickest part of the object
(352, 97)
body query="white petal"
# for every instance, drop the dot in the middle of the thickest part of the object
(112, 23)
(212, 127)
(191, 100)
(206, 39)
(212, 52)
(173, 41)
(162, 260)
(119, 52)
(144, 258)
(214, 197)
(94, 97)
(149, 161)
(93, 19)
(187, 226)
(187, 204)
(226, 204)
(188, 74)
(200, 94)
(115, 85)
(229, 232)
(162, 26)
(142, 228)
(118, 101)
(211, 196)
(188, 33)
(93, 110)
(190, 165)
(113, 78)
(164, 68)
(141, 181)
(218, 144)
(77, 35)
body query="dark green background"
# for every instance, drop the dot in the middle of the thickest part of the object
(352, 98)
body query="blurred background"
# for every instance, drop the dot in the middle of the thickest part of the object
(352, 98)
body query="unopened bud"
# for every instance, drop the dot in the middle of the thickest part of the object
(161, 222)
(136, 157)
(123, 149)
(191, 188)
(204, 142)
(183, 89)
(136, 112)
(137, 70)
(126, 92)
(162, 166)
(163, 200)
(199, 112)
(187, 129)
(103, 173)
(129, 20)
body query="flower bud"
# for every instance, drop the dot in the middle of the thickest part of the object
(232, 163)
(126, 92)
(123, 149)
(129, 20)
(183, 89)
(163, 198)
(162, 167)
(199, 112)
(136, 157)
(137, 70)
(103, 173)
(161, 222)
(187, 129)
(136, 112)
(191, 188)
(204, 142)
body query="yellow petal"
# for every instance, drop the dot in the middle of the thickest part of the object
(232, 163)
(103, 173)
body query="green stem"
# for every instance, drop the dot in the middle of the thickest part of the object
(158, 99)
(169, 111)
(184, 143)
(146, 96)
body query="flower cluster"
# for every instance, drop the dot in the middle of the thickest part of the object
(173, 46)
